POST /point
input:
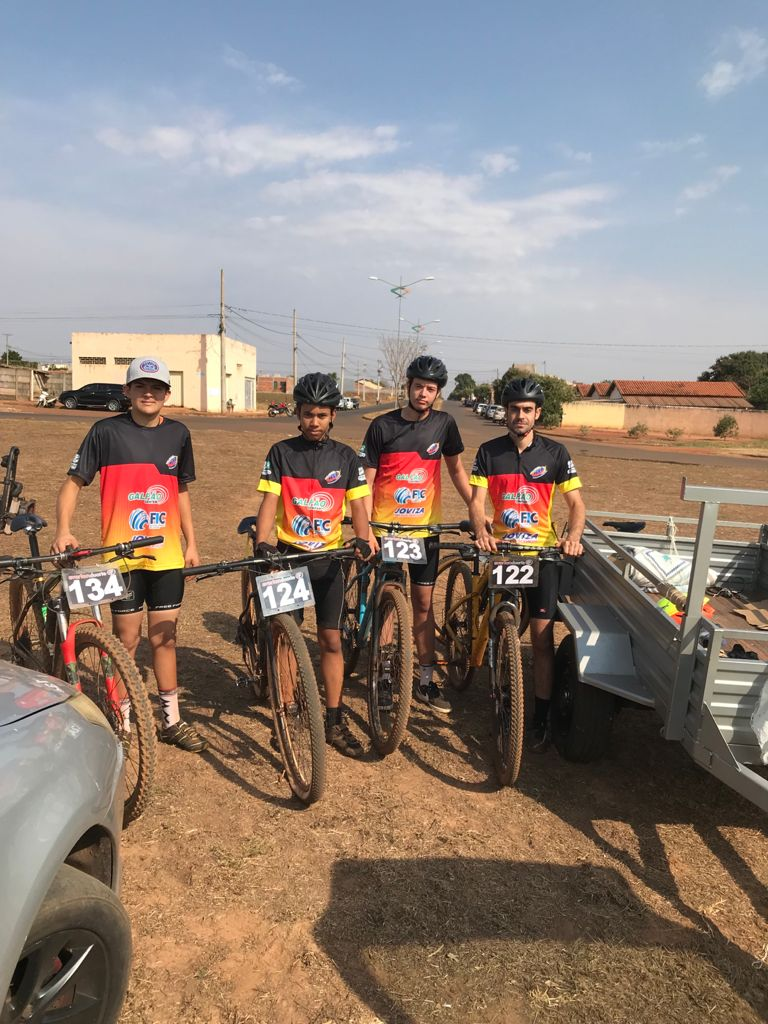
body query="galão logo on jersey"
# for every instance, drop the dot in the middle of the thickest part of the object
(140, 519)
(149, 366)
(537, 472)
(156, 495)
(320, 501)
(333, 476)
(525, 496)
(433, 448)
(172, 462)
(301, 526)
(416, 476)
(403, 495)
(511, 517)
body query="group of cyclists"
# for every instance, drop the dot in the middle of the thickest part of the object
(308, 484)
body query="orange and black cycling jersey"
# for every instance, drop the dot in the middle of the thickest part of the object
(140, 469)
(522, 487)
(314, 480)
(406, 456)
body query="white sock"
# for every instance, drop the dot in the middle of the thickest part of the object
(125, 711)
(425, 675)
(169, 703)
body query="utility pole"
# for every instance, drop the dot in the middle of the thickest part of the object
(343, 363)
(6, 336)
(222, 350)
(295, 352)
(378, 381)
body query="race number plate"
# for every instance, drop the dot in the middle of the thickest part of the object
(403, 549)
(514, 572)
(89, 585)
(285, 591)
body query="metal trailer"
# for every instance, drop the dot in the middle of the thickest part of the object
(624, 649)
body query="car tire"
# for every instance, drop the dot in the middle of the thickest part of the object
(78, 950)
(113, 405)
(70, 403)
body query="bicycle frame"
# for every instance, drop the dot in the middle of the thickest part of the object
(383, 573)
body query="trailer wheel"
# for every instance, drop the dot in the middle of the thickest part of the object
(582, 715)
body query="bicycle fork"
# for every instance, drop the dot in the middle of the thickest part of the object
(67, 630)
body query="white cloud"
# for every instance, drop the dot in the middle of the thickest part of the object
(245, 148)
(496, 164)
(749, 62)
(662, 147)
(576, 156)
(704, 189)
(263, 73)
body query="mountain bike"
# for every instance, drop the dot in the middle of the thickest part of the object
(376, 609)
(276, 658)
(45, 637)
(484, 615)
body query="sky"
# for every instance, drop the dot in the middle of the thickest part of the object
(586, 183)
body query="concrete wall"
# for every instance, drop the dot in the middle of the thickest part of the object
(693, 421)
(193, 359)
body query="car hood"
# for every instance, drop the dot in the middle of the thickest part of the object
(24, 692)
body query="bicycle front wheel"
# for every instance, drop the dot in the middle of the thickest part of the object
(390, 671)
(296, 710)
(247, 636)
(28, 637)
(108, 675)
(508, 702)
(457, 626)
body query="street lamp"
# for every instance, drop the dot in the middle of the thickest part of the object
(418, 327)
(399, 290)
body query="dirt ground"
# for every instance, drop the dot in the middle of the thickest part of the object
(632, 890)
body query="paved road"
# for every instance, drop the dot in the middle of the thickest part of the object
(350, 427)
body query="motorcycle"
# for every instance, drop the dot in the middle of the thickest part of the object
(278, 409)
(45, 401)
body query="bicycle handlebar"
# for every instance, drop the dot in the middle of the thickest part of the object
(124, 549)
(273, 562)
(433, 530)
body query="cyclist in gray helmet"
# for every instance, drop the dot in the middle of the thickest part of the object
(521, 471)
(402, 453)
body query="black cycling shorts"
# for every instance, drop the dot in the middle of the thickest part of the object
(542, 599)
(425, 575)
(327, 580)
(160, 589)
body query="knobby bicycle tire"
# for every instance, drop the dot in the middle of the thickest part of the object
(458, 627)
(393, 664)
(350, 623)
(296, 710)
(508, 702)
(247, 636)
(97, 651)
(31, 646)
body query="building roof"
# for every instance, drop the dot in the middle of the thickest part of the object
(583, 389)
(599, 389)
(710, 393)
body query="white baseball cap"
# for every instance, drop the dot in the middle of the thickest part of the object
(148, 368)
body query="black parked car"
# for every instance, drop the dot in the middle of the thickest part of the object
(96, 396)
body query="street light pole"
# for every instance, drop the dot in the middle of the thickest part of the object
(399, 290)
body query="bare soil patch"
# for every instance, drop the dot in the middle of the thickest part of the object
(630, 890)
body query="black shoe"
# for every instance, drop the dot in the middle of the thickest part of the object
(432, 696)
(185, 736)
(537, 739)
(340, 737)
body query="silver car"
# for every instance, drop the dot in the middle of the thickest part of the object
(65, 941)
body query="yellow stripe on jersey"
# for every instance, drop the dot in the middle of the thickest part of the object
(569, 485)
(478, 481)
(358, 492)
(270, 486)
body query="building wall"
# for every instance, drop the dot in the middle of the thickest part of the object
(694, 422)
(193, 359)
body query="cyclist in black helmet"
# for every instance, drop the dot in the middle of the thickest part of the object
(521, 471)
(402, 453)
(306, 482)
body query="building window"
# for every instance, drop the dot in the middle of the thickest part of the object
(123, 360)
(93, 360)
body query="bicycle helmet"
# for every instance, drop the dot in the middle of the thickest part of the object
(316, 389)
(428, 368)
(524, 389)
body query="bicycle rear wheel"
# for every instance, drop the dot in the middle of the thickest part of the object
(390, 671)
(30, 647)
(350, 623)
(296, 710)
(508, 702)
(108, 675)
(458, 626)
(247, 637)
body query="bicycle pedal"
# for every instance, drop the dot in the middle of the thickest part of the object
(291, 710)
(245, 682)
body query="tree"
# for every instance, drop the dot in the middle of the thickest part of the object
(483, 392)
(398, 355)
(464, 386)
(13, 358)
(758, 393)
(744, 368)
(556, 392)
(334, 376)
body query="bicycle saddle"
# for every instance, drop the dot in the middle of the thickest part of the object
(28, 522)
(245, 525)
(625, 526)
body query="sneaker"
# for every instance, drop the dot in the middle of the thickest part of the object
(340, 737)
(185, 736)
(537, 739)
(432, 695)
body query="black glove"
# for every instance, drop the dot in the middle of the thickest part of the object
(265, 550)
(362, 546)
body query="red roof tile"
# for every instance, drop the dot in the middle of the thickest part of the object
(681, 388)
